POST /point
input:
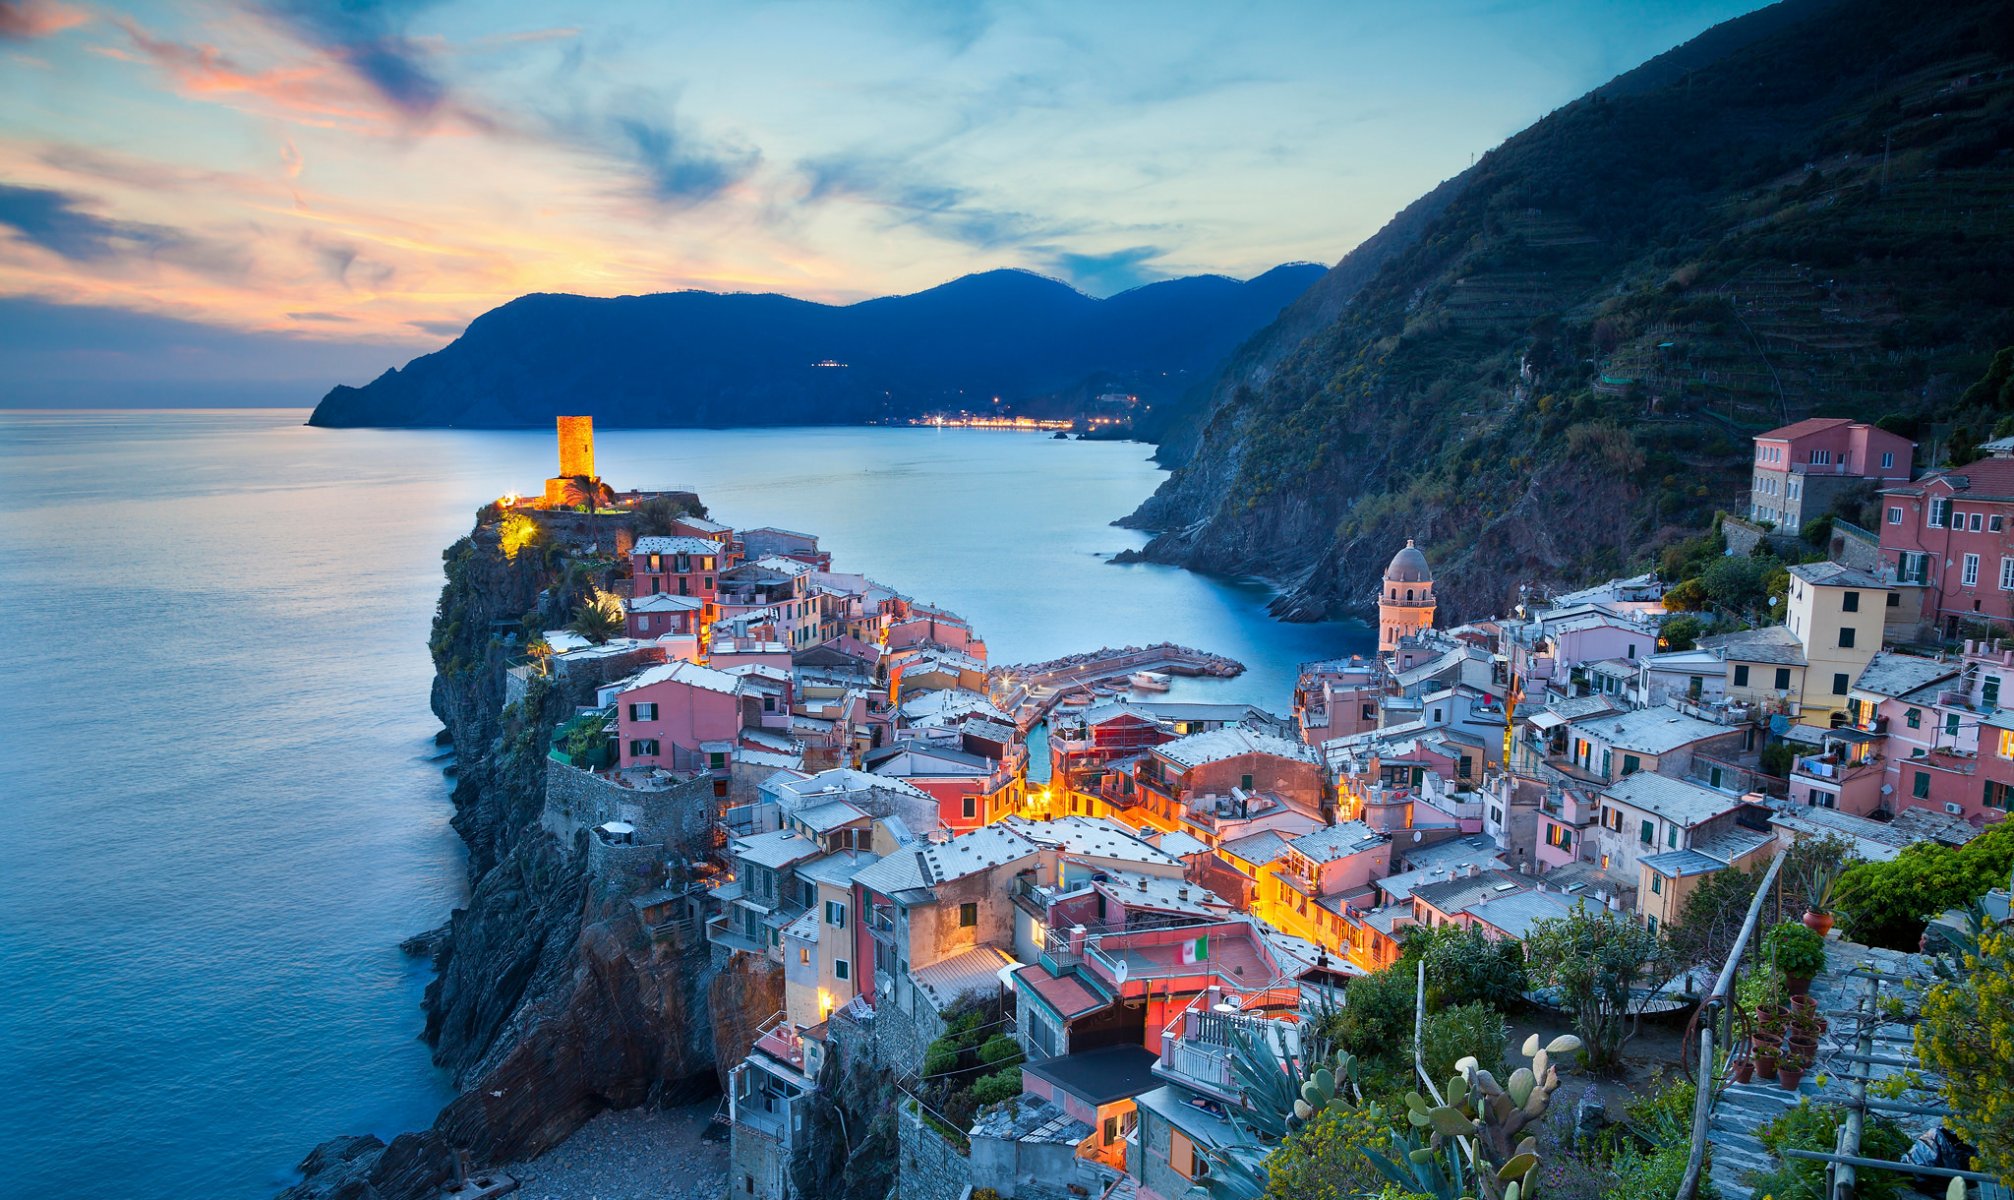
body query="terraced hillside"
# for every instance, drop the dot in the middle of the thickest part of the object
(1808, 210)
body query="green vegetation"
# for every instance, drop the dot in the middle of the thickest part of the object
(1325, 1161)
(1816, 1127)
(1651, 1160)
(1888, 903)
(975, 1063)
(1618, 298)
(1797, 952)
(1966, 1034)
(1594, 958)
(598, 617)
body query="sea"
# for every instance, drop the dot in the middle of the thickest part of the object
(221, 805)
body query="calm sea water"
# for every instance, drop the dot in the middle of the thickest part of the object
(218, 813)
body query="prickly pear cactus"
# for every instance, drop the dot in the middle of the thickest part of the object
(1492, 1118)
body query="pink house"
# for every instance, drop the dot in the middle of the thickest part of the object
(1801, 468)
(655, 616)
(675, 715)
(1950, 531)
(1564, 815)
(924, 625)
(1950, 744)
(1550, 646)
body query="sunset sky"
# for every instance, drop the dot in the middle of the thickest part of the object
(233, 201)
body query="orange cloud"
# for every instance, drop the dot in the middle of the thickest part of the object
(23, 20)
(313, 93)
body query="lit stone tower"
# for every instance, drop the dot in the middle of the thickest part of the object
(1406, 605)
(576, 457)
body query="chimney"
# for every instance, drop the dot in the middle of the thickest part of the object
(1077, 935)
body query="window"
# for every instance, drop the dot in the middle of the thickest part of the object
(1895, 599)
(835, 914)
(1245, 781)
(2007, 743)
(841, 969)
(1839, 683)
(1939, 506)
(1913, 566)
(968, 915)
(1671, 836)
(1846, 635)
(1182, 1156)
(1894, 516)
(1849, 602)
(1997, 795)
(1648, 834)
(1741, 675)
(1888, 459)
(1913, 718)
(1976, 519)
(971, 807)
(1951, 724)
(1921, 787)
(1783, 679)
(1656, 884)
(803, 956)
(643, 748)
(643, 712)
(1989, 691)
(1631, 764)
(1560, 836)
(2007, 574)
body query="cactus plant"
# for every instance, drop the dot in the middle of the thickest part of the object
(1283, 1090)
(1485, 1120)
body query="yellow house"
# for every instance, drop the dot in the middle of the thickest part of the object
(1764, 667)
(821, 970)
(1836, 613)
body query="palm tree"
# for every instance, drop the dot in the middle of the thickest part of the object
(599, 617)
(587, 492)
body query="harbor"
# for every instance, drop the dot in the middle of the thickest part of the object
(1029, 692)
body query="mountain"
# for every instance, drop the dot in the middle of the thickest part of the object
(1551, 366)
(708, 359)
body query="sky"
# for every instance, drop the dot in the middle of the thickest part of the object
(251, 200)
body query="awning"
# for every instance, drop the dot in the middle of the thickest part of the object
(1547, 719)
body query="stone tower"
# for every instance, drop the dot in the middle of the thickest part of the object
(576, 447)
(1406, 602)
(576, 457)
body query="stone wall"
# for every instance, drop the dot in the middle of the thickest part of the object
(1852, 546)
(677, 820)
(1743, 537)
(931, 1168)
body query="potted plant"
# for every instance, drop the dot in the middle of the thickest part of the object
(1790, 1070)
(1744, 1069)
(1799, 954)
(1818, 905)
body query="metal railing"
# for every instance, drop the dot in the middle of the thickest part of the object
(1718, 1003)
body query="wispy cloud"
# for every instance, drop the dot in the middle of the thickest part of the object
(61, 223)
(25, 20)
(311, 92)
(671, 166)
(906, 197)
(370, 39)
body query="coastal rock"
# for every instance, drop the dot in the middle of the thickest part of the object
(551, 1002)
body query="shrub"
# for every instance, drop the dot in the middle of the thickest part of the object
(1887, 903)
(1456, 1033)
(1000, 1085)
(1325, 1159)
(941, 1058)
(1796, 950)
(1967, 1036)
(516, 532)
(999, 1049)
(1816, 1127)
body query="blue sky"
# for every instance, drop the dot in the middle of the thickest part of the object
(260, 198)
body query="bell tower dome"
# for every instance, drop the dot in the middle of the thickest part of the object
(1406, 600)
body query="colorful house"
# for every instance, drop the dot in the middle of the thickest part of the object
(1801, 468)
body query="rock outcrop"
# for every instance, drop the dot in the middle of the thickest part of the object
(551, 1002)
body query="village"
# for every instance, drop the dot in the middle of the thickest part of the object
(1060, 895)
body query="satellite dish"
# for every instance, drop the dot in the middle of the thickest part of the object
(1119, 971)
(1416, 835)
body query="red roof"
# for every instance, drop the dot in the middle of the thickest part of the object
(1809, 425)
(1066, 995)
(1987, 479)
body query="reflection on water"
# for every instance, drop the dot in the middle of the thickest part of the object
(218, 817)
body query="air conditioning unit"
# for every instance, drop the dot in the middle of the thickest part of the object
(1954, 809)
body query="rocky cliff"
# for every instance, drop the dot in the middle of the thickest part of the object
(1552, 366)
(552, 1002)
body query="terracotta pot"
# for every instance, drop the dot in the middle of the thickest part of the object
(1744, 1070)
(1767, 1061)
(1789, 1077)
(1818, 923)
(1803, 1003)
(1797, 983)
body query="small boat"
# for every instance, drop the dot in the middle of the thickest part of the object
(1149, 681)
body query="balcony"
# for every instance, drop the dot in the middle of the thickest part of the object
(723, 930)
(779, 1039)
